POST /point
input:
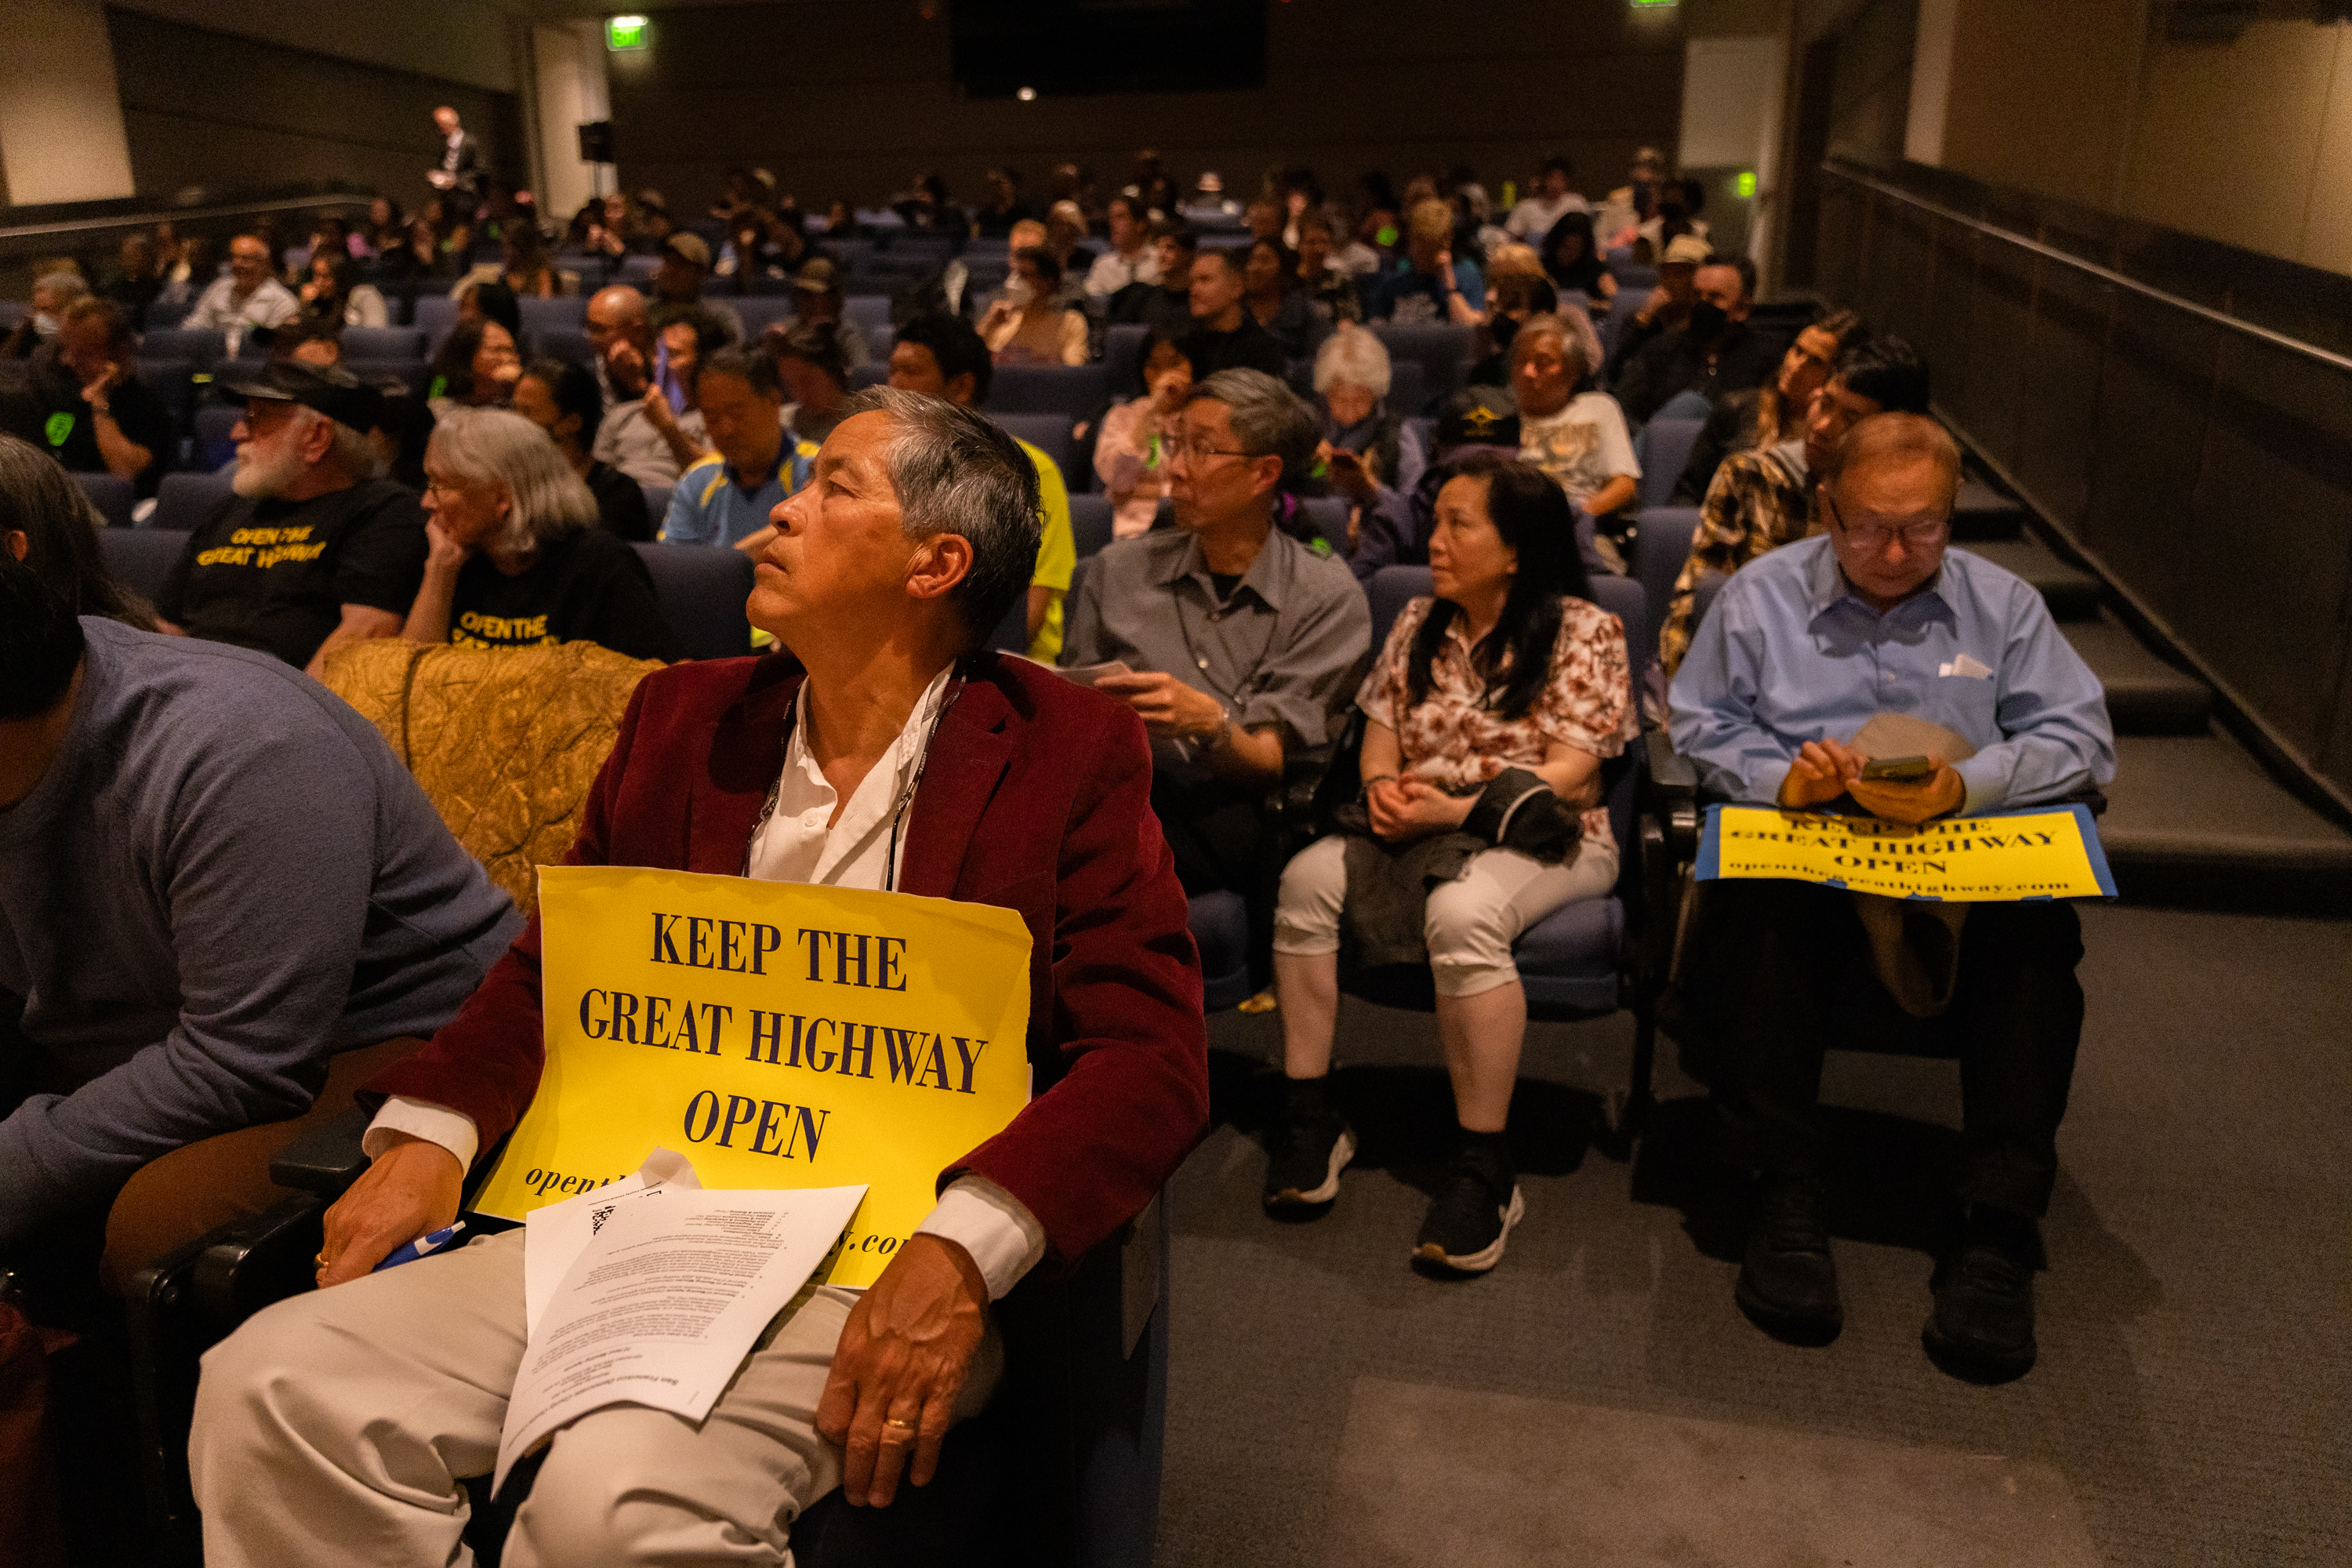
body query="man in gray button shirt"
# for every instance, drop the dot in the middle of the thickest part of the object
(1246, 645)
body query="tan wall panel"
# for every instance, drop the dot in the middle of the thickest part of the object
(2328, 231)
(2039, 93)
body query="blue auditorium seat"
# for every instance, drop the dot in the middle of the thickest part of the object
(1090, 523)
(1220, 925)
(1621, 311)
(1122, 359)
(413, 373)
(757, 312)
(174, 381)
(1049, 433)
(862, 376)
(567, 344)
(1442, 349)
(203, 345)
(701, 589)
(638, 270)
(215, 440)
(384, 342)
(141, 558)
(1662, 541)
(110, 495)
(1075, 391)
(434, 315)
(656, 503)
(183, 500)
(563, 313)
(1665, 448)
(871, 312)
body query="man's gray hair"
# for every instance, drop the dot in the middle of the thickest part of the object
(1549, 325)
(1354, 356)
(547, 500)
(1267, 417)
(954, 472)
(62, 288)
(352, 450)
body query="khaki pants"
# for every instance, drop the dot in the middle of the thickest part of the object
(176, 1198)
(334, 1427)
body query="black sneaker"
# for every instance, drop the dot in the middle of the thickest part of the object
(1788, 1283)
(1470, 1218)
(1981, 1330)
(1307, 1145)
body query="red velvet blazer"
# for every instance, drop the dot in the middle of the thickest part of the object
(1036, 796)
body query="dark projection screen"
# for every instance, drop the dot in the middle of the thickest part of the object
(1063, 48)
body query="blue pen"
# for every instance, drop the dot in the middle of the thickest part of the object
(419, 1248)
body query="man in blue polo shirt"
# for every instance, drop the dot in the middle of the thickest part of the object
(726, 498)
(1804, 647)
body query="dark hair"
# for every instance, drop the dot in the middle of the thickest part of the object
(1134, 205)
(1048, 269)
(120, 337)
(1225, 256)
(40, 642)
(1537, 521)
(453, 366)
(1286, 260)
(1743, 265)
(340, 274)
(710, 332)
(1524, 292)
(1556, 165)
(1584, 273)
(814, 344)
(1187, 238)
(1153, 342)
(573, 388)
(496, 301)
(285, 340)
(752, 368)
(1846, 326)
(957, 347)
(1887, 371)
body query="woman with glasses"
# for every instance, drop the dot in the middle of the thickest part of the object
(1487, 718)
(516, 558)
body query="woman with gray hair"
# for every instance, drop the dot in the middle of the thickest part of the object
(1361, 445)
(517, 558)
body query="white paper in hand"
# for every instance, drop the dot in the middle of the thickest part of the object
(663, 1303)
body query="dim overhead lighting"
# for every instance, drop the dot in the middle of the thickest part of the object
(624, 32)
(1027, 95)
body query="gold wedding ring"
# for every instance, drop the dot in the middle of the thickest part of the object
(893, 1421)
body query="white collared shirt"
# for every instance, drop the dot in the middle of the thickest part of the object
(794, 843)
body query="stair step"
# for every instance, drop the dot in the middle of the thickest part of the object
(2145, 696)
(2194, 819)
(2072, 594)
(1981, 512)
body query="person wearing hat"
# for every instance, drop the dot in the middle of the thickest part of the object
(1668, 307)
(1393, 530)
(816, 297)
(308, 551)
(677, 283)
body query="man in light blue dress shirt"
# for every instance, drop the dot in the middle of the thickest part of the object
(1804, 647)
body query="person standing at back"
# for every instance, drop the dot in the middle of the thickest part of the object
(459, 172)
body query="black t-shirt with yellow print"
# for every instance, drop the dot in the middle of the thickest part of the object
(589, 586)
(275, 574)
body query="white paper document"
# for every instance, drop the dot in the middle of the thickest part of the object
(663, 1298)
(556, 1235)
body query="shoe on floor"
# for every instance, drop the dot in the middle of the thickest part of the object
(1471, 1217)
(1788, 1282)
(1981, 1330)
(1307, 1145)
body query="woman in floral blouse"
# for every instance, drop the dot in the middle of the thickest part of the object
(1509, 667)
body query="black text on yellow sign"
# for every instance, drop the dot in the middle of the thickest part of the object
(2040, 854)
(780, 1036)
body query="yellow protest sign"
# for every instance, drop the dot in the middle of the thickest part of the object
(2051, 852)
(779, 1035)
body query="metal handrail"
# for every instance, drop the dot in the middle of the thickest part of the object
(185, 215)
(2091, 269)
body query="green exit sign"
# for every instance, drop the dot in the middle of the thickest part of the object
(1651, 5)
(624, 32)
(1745, 184)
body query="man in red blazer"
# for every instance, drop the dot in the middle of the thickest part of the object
(885, 749)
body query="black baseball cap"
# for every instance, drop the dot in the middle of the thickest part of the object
(1478, 417)
(333, 391)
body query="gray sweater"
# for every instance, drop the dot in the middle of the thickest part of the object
(225, 878)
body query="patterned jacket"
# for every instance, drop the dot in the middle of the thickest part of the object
(1759, 500)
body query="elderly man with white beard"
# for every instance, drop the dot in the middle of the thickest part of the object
(311, 552)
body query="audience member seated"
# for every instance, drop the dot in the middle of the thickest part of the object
(307, 553)
(249, 297)
(994, 218)
(1763, 498)
(489, 301)
(137, 278)
(1511, 299)
(97, 416)
(1577, 437)
(942, 356)
(201, 831)
(1550, 200)
(1131, 258)
(678, 284)
(1804, 649)
(816, 297)
(1164, 301)
(1431, 286)
(1573, 259)
(725, 498)
(1329, 288)
(561, 399)
(1271, 294)
(1669, 304)
(419, 261)
(759, 246)
(386, 225)
(1224, 335)
(55, 535)
(815, 375)
(1361, 448)
(305, 341)
(1241, 643)
(332, 293)
(634, 438)
(1065, 232)
(52, 293)
(1394, 528)
(1027, 324)
(1487, 717)
(1131, 452)
(476, 367)
(1769, 415)
(883, 587)
(1679, 374)
(516, 557)
(927, 206)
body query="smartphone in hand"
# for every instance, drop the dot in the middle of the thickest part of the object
(1897, 770)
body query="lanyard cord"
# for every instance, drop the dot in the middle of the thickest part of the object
(898, 813)
(1234, 696)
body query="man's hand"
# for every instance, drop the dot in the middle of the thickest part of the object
(1166, 705)
(1823, 772)
(658, 409)
(410, 1190)
(443, 553)
(625, 368)
(1939, 793)
(902, 1359)
(95, 392)
(1348, 476)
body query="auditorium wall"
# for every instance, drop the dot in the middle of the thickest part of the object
(848, 98)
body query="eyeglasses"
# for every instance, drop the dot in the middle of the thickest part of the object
(1191, 452)
(1872, 537)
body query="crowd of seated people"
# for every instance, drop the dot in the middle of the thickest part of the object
(504, 500)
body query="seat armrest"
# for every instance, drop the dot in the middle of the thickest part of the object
(1670, 793)
(328, 1158)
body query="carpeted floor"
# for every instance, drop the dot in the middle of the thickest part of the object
(2193, 1404)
